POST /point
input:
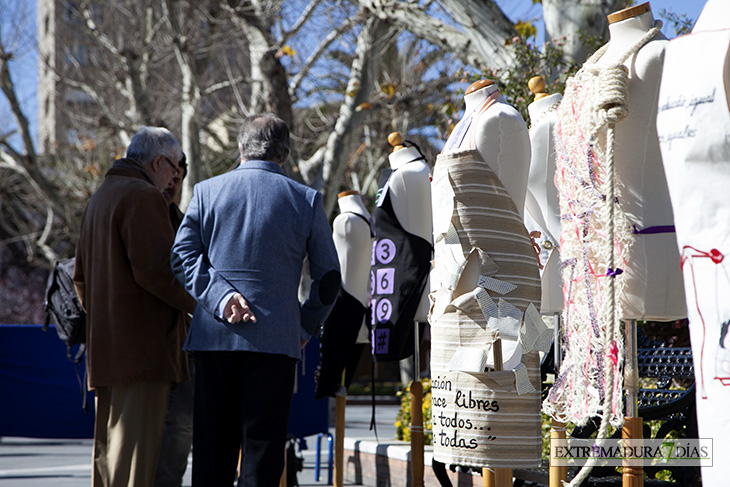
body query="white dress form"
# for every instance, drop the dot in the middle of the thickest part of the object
(410, 192)
(483, 256)
(542, 209)
(693, 123)
(501, 138)
(353, 240)
(653, 289)
(614, 93)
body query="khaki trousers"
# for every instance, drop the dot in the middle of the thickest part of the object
(127, 433)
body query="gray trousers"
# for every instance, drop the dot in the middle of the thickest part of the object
(177, 438)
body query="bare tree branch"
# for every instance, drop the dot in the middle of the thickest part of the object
(316, 54)
(303, 18)
(8, 89)
(108, 113)
(229, 83)
(28, 160)
(487, 27)
(482, 55)
(359, 87)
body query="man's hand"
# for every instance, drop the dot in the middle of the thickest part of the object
(237, 310)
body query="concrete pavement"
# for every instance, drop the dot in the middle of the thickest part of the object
(33, 462)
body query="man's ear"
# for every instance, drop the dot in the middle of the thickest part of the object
(155, 164)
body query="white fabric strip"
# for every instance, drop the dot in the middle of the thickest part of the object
(442, 203)
(522, 380)
(496, 285)
(470, 359)
(535, 335)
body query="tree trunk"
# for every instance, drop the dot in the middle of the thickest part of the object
(576, 19)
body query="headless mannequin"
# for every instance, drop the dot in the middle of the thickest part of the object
(693, 123)
(410, 191)
(500, 135)
(479, 187)
(644, 245)
(654, 288)
(353, 241)
(344, 335)
(541, 204)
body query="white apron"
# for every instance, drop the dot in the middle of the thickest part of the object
(693, 124)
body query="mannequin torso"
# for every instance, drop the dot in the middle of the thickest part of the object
(653, 287)
(410, 191)
(353, 242)
(544, 208)
(410, 188)
(541, 202)
(500, 135)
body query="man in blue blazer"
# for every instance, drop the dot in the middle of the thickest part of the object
(240, 251)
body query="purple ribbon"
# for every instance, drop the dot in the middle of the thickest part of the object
(613, 273)
(654, 229)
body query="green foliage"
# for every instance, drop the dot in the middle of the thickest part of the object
(525, 29)
(681, 23)
(531, 61)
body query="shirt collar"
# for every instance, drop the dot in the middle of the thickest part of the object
(259, 164)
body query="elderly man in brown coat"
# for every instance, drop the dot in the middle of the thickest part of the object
(135, 327)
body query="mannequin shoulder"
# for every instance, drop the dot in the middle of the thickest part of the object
(413, 173)
(350, 226)
(650, 59)
(414, 168)
(502, 113)
(500, 118)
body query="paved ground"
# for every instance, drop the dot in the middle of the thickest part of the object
(32, 462)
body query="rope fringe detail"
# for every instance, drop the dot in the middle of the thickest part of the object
(595, 236)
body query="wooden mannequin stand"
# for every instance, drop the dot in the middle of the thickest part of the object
(416, 418)
(558, 473)
(497, 477)
(404, 154)
(633, 476)
(340, 403)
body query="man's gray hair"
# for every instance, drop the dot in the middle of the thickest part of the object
(150, 141)
(264, 137)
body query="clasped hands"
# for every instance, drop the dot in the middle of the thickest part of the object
(237, 310)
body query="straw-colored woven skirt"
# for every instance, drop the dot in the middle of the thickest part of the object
(479, 419)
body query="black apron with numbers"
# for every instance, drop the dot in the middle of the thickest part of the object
(398, 275)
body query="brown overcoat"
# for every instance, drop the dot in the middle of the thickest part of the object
(135, 328)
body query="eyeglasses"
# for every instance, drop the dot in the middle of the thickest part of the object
(176, 169)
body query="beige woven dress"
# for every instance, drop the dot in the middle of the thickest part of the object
(485, 286)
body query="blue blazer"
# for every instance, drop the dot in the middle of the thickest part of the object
(250, 231)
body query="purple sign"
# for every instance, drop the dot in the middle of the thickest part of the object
(385, 251)
(381, 339)
(384, 281)
(383, 310)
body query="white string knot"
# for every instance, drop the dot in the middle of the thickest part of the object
(613, 94)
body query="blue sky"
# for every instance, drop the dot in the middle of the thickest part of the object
(527, 10)
(25, 71)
